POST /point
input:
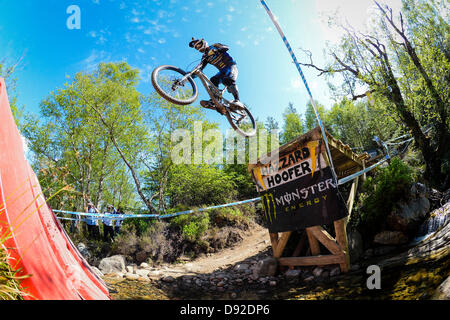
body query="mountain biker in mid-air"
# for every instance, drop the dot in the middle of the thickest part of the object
(218, 56)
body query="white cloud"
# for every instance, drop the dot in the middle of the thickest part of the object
(94, 58)
(295, 83)
(357, 13)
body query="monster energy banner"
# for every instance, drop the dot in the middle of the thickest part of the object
(298, 191)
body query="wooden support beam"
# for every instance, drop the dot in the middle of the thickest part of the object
(312, 261)
(327, 240)
(351, 197)
(281, 244)
(341, 238)
(274, 241)
(313, 244)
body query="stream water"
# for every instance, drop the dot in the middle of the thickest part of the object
(413, 279)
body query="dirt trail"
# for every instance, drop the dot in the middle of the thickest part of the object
(254, 241)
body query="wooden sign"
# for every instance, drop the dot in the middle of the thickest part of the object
(297, 189)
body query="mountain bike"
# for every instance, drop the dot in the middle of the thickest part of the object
(178, 86)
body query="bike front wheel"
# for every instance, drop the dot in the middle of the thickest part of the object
(242, 121)
(173, 85)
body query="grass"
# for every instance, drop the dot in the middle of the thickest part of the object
(10, 288)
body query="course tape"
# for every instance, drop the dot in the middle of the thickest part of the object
(155, 216)
(297, 64)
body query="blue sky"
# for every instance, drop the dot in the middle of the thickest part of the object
(155, 32)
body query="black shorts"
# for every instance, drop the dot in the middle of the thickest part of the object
(227, 76)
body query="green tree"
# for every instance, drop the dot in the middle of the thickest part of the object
(404, 64)
(310, 115)
(293, 124)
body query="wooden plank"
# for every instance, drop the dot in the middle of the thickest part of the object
(351, 198)
(313, 244)
(274, 241)
(327, 240)
(341, 237)
(281, 244)
(311, 261)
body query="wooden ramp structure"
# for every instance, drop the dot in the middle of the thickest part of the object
(346, 162)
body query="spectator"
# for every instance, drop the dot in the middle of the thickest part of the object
(119, 221)
(108, 229)
(92, 222)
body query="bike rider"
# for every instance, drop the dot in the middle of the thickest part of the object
(218, 56)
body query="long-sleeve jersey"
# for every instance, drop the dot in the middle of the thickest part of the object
(217, 56)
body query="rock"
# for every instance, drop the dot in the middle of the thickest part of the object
(242, 267)
(144, 279)
(443, 291)
(132, 276)
(144, 265)
(97, 272)
(418, 190)
(130, 269)
(112, 264)
(266, 268)
(292, 274)
(317, 271)
(83, 250)
(355, 245)
(391, 238)
(263, 291)
(379, 251)
(335, 271)
(168, 279)
(408, 216)
(142, 272)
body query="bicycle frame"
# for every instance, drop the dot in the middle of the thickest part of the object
(214, 92)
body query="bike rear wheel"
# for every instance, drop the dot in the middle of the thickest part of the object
(167, 81)
(242, 121)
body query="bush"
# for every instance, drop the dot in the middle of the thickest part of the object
(381, 193)
(193, 226)
(10, 288)
(154, 243)
(232, 216)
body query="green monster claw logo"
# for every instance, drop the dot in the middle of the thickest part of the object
(268, 201)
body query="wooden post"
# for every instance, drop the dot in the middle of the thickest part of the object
(281, 244)
(351, 197)
(341, 238)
